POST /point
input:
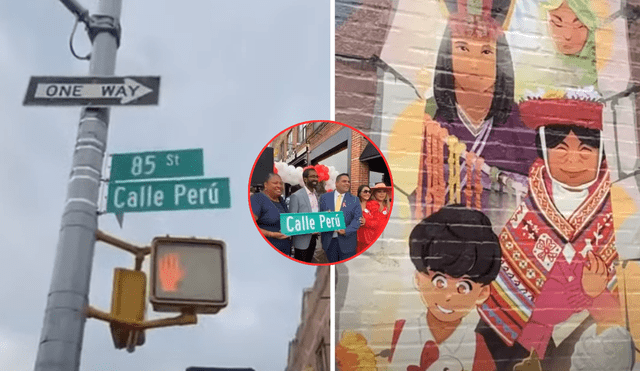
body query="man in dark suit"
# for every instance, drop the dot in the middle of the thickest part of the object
(341, 244)
(305, 200)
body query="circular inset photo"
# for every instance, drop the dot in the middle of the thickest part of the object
(320, 192)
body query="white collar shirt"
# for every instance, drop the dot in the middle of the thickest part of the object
(313, 199)
(457, 351)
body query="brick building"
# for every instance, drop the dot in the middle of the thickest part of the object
(360, 33)
(309, 350)
(334, 145)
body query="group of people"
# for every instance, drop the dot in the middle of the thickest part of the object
(365, 216)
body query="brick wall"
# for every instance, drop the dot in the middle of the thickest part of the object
(324, 132)
(360, 33)
(313, 330)
(359, 169)
(276, 144)
(315, 141)
(376, 289)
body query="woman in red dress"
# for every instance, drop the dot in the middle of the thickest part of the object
(364, 194)
(375, 215)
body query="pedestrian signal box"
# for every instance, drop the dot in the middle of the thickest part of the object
(188, 275)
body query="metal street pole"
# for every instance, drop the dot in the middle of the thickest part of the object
(62, 332)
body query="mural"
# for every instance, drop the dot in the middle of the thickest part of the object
(512, 144)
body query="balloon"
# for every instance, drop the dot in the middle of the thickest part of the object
(286, 172)
(289, 174)
(333, 173)
(323, 172)
(327, 175)
(275, 170)
(331, 183)
(297, 176)
(280, 167)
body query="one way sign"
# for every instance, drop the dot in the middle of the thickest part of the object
(92, 91)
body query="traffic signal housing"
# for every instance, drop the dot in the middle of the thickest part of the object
(128, 305)
(188, 275)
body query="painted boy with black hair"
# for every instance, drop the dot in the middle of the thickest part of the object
(456, 255)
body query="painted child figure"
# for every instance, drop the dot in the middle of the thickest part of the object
(558, 248)
(457, 256)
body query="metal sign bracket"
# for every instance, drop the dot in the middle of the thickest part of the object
(135, 328)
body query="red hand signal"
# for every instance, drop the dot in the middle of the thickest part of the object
(171, 272)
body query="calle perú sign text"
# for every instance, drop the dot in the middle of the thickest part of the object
(305, 223)
(185, 194)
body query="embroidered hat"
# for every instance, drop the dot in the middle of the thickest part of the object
(380, 186)
(480, 19)
(574, 107)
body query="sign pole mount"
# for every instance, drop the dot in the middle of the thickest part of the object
(134, 327)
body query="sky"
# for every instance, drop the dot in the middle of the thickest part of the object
(233, 75)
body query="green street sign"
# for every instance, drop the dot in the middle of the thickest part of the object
(305, 223)
(187, 194)
(153, 165)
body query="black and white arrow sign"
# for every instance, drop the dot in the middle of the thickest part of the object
(93, 91)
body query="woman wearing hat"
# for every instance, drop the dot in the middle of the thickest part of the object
(566, 54)
(375, 216)
(474, 101)
(558, 248)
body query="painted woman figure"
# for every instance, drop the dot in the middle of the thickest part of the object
(558, 248)
(575, 43)
(473, 99)
(567, 52)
